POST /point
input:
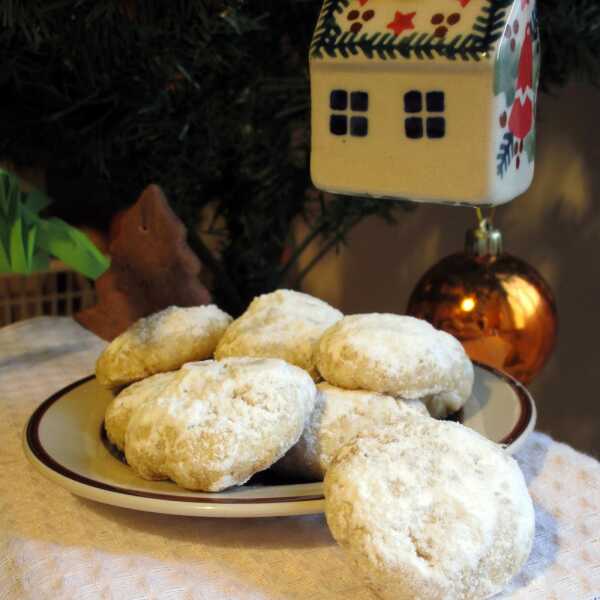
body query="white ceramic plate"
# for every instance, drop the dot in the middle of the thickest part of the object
(64, 441)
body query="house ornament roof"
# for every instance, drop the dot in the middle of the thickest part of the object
(404, 30)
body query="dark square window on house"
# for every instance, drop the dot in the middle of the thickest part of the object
(413, 102)
(359, 101)
(359, 126)
(348, 117)
(338, 124)
(422, 122)
(436, 127)
(338, 100)
(435, 102)
(414, 128)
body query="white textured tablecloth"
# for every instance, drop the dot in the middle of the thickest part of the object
(54, 545)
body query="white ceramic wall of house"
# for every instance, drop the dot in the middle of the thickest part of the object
(555, 227)
(429, 100)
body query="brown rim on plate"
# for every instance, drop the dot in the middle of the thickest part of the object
(525, 401)
(35, 445)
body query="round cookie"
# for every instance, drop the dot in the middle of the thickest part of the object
(397, 355)
(339, 416)
(118, 413)
(430, 511)
(284, 324)
(161, 342)
(218, 423)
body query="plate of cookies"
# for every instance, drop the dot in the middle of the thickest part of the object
(193, 413)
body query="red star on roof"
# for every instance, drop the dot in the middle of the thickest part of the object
(402, 22)
(463, 3)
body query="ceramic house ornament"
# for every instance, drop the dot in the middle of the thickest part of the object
(432, 100)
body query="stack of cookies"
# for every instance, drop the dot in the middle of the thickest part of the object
(425, 508)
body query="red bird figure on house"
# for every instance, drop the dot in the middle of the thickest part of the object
(521, 115)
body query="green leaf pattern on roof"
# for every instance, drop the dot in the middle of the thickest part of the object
(331, 40)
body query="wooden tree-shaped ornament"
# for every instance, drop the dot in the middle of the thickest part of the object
(152, 267)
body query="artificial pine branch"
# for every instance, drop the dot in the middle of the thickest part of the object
(325, 249)
(570, 41)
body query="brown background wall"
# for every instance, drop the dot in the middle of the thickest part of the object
(555, 227)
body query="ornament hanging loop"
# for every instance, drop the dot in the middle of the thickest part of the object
(481, 217)
(484, 240)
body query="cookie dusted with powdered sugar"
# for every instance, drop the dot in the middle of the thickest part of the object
(218, 423)
(397, 355)
(430, 510)
(118, 413)
(161, 342)
(284, 324)
(338, 417)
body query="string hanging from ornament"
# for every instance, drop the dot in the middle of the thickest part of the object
(497, 305)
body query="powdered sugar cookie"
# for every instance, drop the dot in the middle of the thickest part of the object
(397, 355)
(161, 342)
(338, 417)
(284, 324)
(430, 510)
(118, 413)
(218, 423)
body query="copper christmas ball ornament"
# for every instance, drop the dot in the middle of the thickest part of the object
(497, 305)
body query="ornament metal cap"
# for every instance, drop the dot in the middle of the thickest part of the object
(484, 240)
